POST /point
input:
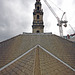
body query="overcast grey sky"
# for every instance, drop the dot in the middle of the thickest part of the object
(16, 17)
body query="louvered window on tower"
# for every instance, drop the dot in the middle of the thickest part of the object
(37, 16)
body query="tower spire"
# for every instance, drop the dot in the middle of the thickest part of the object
(38, 26)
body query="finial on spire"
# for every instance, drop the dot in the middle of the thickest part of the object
(37, 0)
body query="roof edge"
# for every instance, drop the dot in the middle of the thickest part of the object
(17, 58)
(56, 58)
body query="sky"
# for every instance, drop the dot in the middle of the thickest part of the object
(16, 17)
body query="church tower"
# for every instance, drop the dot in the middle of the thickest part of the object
(38, 26)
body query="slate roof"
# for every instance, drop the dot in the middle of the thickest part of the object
(33, 54)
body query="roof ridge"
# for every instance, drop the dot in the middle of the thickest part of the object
(37, 70)
(17, 58)
(56, 58)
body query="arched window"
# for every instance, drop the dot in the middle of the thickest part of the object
(37, 31)
(37, 16)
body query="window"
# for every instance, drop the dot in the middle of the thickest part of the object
(38, 31)
(38, 8)
(37, 16)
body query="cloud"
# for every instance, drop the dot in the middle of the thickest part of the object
(15, 17)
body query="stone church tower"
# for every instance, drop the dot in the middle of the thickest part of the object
(38, 26)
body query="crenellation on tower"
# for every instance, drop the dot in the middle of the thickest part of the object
(38, 26)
